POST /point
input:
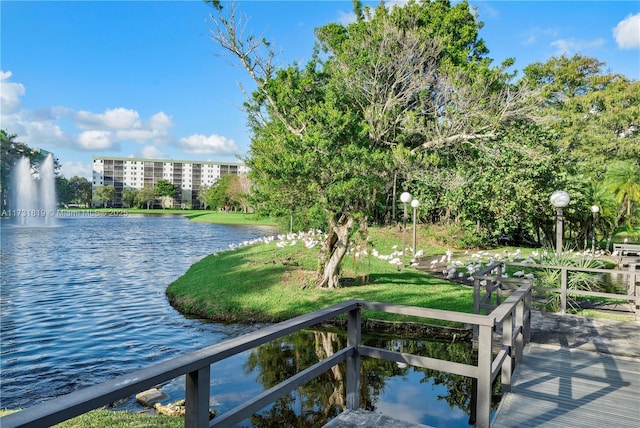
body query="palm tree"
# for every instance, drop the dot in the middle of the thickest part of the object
(622, 179)
(597, 193)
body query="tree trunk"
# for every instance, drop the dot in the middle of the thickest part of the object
(393, 199)
(325, 349)
(333, 250)
(614, 226)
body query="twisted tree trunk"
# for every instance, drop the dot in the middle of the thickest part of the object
(333, 250)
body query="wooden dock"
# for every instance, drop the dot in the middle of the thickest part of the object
(568, 387)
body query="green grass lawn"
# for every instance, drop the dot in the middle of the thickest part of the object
(220, 217)
(111, 418)
(203, 216)
(267, 283)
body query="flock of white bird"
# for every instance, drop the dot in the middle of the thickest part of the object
(454, 269)
(312, 238)
(475, 261)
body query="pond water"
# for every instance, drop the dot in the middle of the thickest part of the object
(85, 301)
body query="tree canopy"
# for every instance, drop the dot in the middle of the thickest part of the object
(104, 195)
(597, 114)
(325, 133)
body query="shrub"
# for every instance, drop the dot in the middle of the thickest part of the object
(576, 280)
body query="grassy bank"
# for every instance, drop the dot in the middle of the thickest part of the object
(111, 418)
(274, 281)
(220, 217)
(203, 216)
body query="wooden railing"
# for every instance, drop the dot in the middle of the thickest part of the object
(513, 314)
(624, 250)
(632, 294)
(490, 280)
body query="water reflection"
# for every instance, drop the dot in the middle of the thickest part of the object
(411, 394)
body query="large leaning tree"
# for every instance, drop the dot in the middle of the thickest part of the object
(326, 133)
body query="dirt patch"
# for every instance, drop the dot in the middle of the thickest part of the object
(298, 278)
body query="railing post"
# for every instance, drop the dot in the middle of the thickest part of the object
(483, 406)
(197, 387)
(563, 290)
(632, 291)
(353, 363)
(476, 305)
(499, 285)
(507, 340)
(526, 328)
(519, 310)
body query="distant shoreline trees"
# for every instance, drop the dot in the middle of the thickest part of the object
(76, 190)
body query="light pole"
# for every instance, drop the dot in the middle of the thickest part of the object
(405, 197)
(559, 199)
(594, 211)
(415, 204)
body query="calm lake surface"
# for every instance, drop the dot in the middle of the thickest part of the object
(85, 301)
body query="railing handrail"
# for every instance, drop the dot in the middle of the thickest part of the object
(196, 365)
(78, 402)
(501, 312)
(633, 287)
(487, 269)
(439, 314)
(575, 268)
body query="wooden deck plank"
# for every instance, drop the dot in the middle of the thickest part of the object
(567, 387)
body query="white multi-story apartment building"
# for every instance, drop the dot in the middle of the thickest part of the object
(135, 173)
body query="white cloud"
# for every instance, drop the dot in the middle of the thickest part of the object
(627, 32)
(113, 119)
(39, 133)
(80, 169)
(160, 121)
(54, 127)
(213, 144)
(10, 94)
(487, 10)
(571, 46)
(152, 152)
(123, 125)
(137, 135)
(532, 36)
(97, 140)
(346, 18)
(393, 3)
(83, 130)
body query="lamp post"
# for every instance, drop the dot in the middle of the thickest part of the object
(405, 197)
(594, 211)
(415, 204)
(559, 199)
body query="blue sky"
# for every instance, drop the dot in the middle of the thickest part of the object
(125, 78)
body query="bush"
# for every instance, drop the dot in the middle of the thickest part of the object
(576, 280)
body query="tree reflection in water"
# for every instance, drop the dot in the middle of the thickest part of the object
(323, 398)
